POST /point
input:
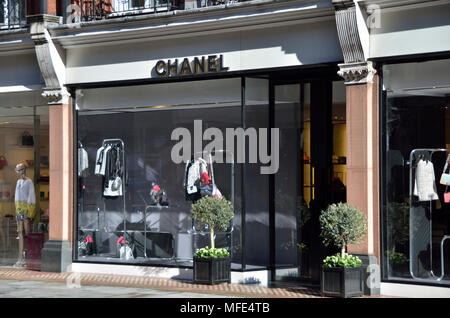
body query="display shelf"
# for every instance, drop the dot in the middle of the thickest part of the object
(20, 147)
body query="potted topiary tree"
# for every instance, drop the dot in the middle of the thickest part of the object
(341, 275)
(212, 265)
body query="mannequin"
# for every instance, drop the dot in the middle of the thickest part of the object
(24, 200)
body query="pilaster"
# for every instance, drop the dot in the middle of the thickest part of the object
(362, 105)
(57, 253)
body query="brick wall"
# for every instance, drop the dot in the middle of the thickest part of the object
(33, 7)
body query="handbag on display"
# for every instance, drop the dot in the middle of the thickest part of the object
(445, 177)
(155, 194)
(117, 184)
(82, 248)
(27, 139)
(446, 195)
(206, 189)
(216, 192)
(89, 245)
(127, 252)
(3, 162)
(163, 199)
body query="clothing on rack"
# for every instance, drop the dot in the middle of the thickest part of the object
(25, 199)
(424, 183)
(83, 161)
(198, 183)
(100, 162)
(193, 178)
(110, 165)
(194, 170)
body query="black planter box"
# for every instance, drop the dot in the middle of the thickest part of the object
(341, 281)
(212, 270)
(400, 270)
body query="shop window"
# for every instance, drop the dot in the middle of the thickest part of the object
(137, 123)
(416, 130)
(24, 139)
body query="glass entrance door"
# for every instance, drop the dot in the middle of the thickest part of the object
(307, 117)
(293, 184)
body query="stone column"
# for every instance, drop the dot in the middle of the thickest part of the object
(57, 252)
(363, 169)
(362, 134)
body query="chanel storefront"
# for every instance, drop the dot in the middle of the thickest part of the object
(225, 95)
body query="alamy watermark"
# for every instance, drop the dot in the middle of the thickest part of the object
(73, 17)
(235, 141)
(373, 20)
(73, 280)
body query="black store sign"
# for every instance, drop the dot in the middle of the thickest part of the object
(198, 65)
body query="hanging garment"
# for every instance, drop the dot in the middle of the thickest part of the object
(424, 183)
(99, 160)
(25, 199)
(195, 170)
(113, 181)
(83, 162)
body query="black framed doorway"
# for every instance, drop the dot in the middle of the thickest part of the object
(302, 110)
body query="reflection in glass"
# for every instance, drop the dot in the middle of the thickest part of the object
(414, 228)
(24, 138)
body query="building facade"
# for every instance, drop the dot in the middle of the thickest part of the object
(299, 103)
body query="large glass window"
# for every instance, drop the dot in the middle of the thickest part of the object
(138, 122)
(416, 144)
(24, 140)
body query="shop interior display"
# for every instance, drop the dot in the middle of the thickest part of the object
(424, 199)
(136, 236)
(24, 165)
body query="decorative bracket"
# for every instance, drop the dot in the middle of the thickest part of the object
(49, 58)
(354, 39)
(357, 73)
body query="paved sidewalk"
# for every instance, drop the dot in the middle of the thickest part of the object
(13, 288)
(74, 280)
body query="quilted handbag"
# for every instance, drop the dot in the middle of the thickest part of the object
(3, 162)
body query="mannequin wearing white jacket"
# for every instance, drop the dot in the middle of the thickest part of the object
(25, 201)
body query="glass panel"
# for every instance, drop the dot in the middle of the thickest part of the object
(297, 240)
(161, 231)
(23, 139)
(293, 181)
(416, 116)
(339, 159)
(256, 197)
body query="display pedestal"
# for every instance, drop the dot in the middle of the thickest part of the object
(35, 242)
(56, 256)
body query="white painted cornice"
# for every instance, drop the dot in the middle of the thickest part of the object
(13, 42)
(395, 5)
(177, 24)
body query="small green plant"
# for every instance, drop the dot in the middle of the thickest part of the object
(397, 257)
(302, 247)
(214, 212)
(207, 252)
(342, 224)
(338, 260)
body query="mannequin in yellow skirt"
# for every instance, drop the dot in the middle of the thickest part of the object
(25, 203)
